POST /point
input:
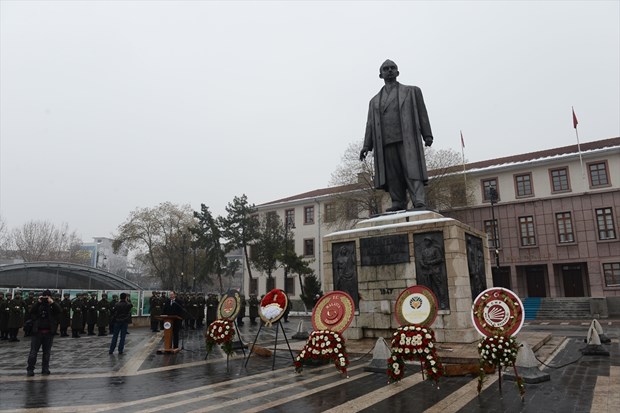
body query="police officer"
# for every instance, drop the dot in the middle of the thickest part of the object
(65, 315)
(103, 314)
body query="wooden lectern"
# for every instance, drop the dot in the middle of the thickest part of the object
(168, 322)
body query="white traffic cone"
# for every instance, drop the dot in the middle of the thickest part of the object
(380, 355)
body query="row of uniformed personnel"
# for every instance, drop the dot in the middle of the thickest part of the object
(88, 312)
(194, 305)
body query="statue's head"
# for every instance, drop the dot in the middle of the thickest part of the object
(388, 70)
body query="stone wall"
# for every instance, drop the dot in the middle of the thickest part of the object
(380, 285)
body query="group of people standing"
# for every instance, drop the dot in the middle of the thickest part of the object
(42, 316)
(88, 313)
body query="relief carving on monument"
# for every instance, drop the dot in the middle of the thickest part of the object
(475, 264)
(430, 265)
(345, 270)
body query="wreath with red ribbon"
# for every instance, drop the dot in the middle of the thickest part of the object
(414, 343)
(499, 352)
(220, 332)
(322, 345)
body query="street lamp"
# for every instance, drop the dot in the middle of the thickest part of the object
(493, 199)
(288, 225)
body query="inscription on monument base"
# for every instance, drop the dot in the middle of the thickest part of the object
(390, 249)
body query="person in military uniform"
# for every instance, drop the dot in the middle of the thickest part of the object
(112, 304)
(163, 300)
(4, 316)
(156, 306)
(77, 305)
(253, 309)
(188, 299)
(200, 313)
(84, 300)
(28, 303)
(65, 315)
(288, 309)
(91, 314)
(103, 314)
(16, 316)
(241, 311)
(57, 300)
(212, 303)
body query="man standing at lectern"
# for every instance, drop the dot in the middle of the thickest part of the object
(396, 131)
(174, 306)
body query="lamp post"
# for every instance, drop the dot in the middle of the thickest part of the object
(288, 225)
(493, 199)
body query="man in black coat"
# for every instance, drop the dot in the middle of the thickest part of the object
(43, 314)
(121, 317)
(174, 306)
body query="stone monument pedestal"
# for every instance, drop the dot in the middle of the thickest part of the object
(381, 256)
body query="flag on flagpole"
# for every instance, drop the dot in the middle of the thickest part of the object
(574, 119)
(462, 140)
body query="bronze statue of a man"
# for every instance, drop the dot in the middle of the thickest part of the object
(396, 130)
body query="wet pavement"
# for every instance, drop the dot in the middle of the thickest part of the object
(86, 379)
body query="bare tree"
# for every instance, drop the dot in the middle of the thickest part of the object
(359, 198)
(43, 241)
(447, 186)
(160, 234)
(4, 236)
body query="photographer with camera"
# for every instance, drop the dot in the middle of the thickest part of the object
(43, 313)
(121, 317)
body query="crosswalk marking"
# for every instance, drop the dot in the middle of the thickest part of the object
(376, 396)
(264, 393)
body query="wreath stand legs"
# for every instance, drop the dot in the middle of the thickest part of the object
(275, 346)
(499, 373)
(240, 340)
(253, 344)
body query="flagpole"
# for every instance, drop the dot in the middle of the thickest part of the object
(575, 123)
(463, 155)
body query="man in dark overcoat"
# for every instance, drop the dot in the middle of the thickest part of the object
(396, 131)
(65, 315)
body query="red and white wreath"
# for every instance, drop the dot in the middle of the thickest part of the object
(220, 332)
(321, 345)
(414, 343)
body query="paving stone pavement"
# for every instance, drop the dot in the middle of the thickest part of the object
(86, 379)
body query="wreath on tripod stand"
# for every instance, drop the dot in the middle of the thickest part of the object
(220, 332)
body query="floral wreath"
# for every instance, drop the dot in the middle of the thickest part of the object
(516, 312)
(220, 332)
(414, 343)
(499, 352)
(324, 344)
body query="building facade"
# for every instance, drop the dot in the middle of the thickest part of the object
(554, 220)
(551, 218)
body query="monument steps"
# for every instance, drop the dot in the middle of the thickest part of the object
(531, 305)
(564, 308)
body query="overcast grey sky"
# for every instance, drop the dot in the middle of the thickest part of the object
(106, 106)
